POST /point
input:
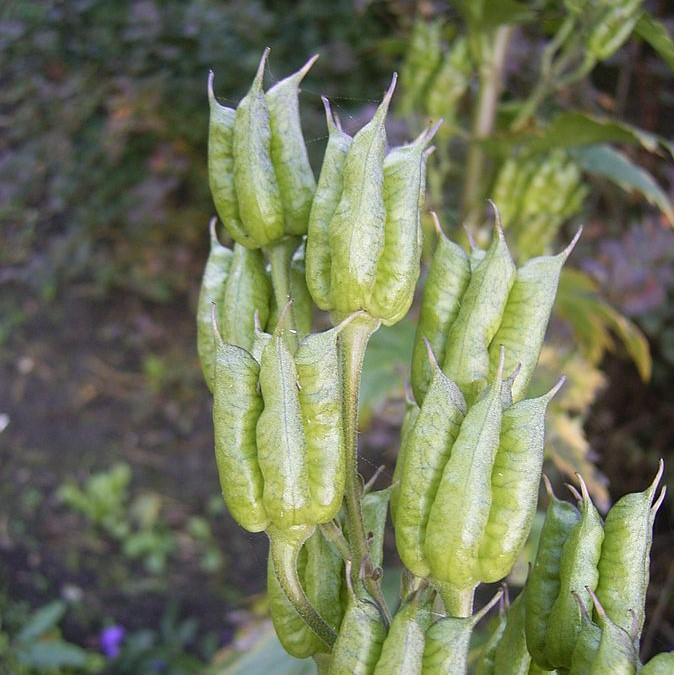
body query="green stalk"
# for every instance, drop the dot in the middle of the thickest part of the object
(458, 602)
(280, 255)
(353, 341)
(322, 663)
(284, 548)
(333, 533)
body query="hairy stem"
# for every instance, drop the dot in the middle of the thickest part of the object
(284, 548)
(280, 256)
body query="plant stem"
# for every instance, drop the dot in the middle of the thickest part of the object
(491, 72)
(280, 256)
(284, 548)
(353, 341)
(333, 533)
(322, 663)
(458, 602)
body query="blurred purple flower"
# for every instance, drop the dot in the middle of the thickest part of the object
(111, 640)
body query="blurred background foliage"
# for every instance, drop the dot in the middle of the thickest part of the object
(116, 554)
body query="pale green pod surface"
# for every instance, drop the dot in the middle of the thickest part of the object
(248, 290)
(282, 450)
(661, 664)
(326, 199)
(447, 280)
(587, 644)
(403, 649)
(357, 227)
(211, 292)
(485, 662)
(625, 555)
(577, 571)
(375, 508)
(237, 406)
(302, 307)
(257, 190)
(320, 398)
(515, 478)
(409, 420)
(398, 266)
(467, 356)
(460, 511)
(426, 452)
(221, 166)
(544, 582)
(289, 156)
(360, 639)
(526, 317)
(260, 341)
(512, 656)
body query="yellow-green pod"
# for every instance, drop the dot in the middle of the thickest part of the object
(326, 199)
(511, 656)
(221, 166)
(409, 420)
(302, 308)
(467, 357)
(485, 661)
(587, 643)
(289, 156)
(247, 291)
(357, 227)
(525, 317)
(399, 264)
(320, 397)
(625, 555)
(577, 574)
(544, 583)
(613, 26)
(660, 664)
(514, 485)
(237, 406)
(428, 446)
(210, 294)
(375, 508)
(257, 190)
(448, 641)
(460, 510)
(282, 448)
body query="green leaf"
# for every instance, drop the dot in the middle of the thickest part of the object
(54, 654)
(42, 621)
(655, 33)
(603, 160)
(488, 14)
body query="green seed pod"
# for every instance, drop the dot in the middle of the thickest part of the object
(399, 264)
(221, 167)
(460, 510)
(375, 507)
(212, 290)
(587, 643)
(357, 227)
(237, 406)
(511, 656)
(616, 654)
(514, 485)
(289, 156)
(661, 664)
(448, 640)
(544, 579)
(614, 23)
(485, 662)
(625, 555)
(409, 420)
(403, 649)
(467, 357)
(426, 453)
(257, 189)
(326, 199)
(447, 281)
(577, 572)
(247, 291)
(526, 316)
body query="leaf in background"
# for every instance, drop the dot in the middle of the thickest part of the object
(605, 161)
(655, 33)
(42, 621)
(485, 15)
(53, 654)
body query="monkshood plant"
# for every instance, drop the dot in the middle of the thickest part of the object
(465, 489)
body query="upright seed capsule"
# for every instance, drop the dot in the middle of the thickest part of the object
(587, 643)
(427, 451)
(577, 572)
(357, 227)
(529, 305)
(237, 406)
(447, 281)
(212, 290)
(409, 420)
(625, 555)
(257, 190)
(398, 265)
(289, 156)
(326, 199)
(544, 582)
(221, 167)
(467, 357)
(511, 656)
(375, 508)
(661, 664)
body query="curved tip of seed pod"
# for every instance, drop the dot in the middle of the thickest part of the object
(431, 356)
(389, 92)
(214, 322)
(302, 72)
(409, 395)
(256, 321)
(436, 224)
(482, 612)
(498, 224)
(471, 239)
(658, 476)
(428, 152)
(583, 609)
(515, 372)
(574, 492)
(212, 223)
(551, 394)
(658, 502)
(430, 132)
(209, 86)
(259, 75)
(571, 245)
(599, 608)
(331, 119)
(583, 488)
(504, 600)
(548, 487)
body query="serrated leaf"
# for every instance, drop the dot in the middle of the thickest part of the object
(605, 161)
(655, 33)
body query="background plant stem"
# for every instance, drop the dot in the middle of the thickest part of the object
(280, 255)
